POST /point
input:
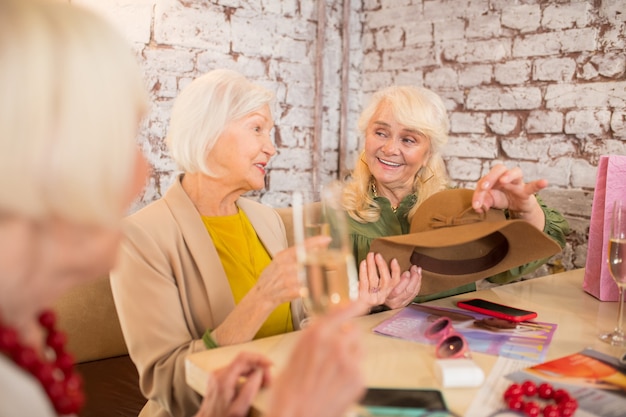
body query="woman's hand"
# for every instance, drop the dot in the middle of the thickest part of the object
(406, 288)
(504, 188)
(231, 389)
(323, 376)
(380, 283)
(279, 283)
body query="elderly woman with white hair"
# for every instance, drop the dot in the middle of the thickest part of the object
(405, 130)
(204, 266)
(71, 98)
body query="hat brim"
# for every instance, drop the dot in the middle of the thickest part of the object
(525, 244)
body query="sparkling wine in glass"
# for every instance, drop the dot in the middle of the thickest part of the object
(326, 280)
(617, 268)
(328, 275)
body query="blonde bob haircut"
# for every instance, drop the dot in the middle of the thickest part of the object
(416, 108)
(71, 102)
(202, 111)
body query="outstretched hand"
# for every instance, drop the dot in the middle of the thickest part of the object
(504, 188)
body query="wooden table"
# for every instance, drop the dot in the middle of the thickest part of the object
(397, 363)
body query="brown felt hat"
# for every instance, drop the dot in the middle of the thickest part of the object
(454, 245)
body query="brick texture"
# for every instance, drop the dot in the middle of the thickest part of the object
(541, 85)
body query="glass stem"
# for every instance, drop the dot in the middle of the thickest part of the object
(620, 309)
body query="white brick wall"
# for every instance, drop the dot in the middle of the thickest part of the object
(272, 42)
(543, 121)
(541, 86)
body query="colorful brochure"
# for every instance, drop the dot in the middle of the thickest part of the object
(524, 341)
(596, 380)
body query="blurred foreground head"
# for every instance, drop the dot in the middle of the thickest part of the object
(71, 99)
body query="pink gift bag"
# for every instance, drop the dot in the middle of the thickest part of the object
(610, 185)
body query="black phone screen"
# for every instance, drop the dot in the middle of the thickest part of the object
(426, 399)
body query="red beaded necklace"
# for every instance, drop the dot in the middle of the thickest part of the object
(564, 404)
(56, 375)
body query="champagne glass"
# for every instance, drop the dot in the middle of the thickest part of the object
(617, 268)
(328, 274)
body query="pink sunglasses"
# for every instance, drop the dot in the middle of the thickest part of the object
(450, 343)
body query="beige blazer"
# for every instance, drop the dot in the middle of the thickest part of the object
(169, 287)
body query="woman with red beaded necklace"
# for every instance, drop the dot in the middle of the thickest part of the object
(71, 98)
(61, 197)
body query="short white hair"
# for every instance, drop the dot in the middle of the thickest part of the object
(202, 111)
(71, 102)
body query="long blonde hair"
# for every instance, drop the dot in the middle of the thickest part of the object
(417, 108)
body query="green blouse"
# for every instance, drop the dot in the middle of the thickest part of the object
(390, 224)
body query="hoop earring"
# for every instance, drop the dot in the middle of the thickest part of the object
(420, 175)
(362, 159)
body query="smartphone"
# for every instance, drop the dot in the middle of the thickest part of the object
(403, 402)
(500, 311)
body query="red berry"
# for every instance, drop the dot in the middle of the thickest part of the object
(531, 409)
(55, 391)
(545, 391)
(27, 358)
(515, 403)
(65, 362)
(8, 339)
(56, 340)
(567, 412)
(47, 319)
(514, 390)
(45, 373)
(79, 401)
(65, 405)
(529, 388)
(560, 395)
(74, 383)
(569, 403)
(551, 410)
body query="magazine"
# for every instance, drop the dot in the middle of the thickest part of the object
(596, 380)
(524, 341)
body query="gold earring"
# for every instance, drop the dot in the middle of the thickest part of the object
(362, 158)
(420, 176)
(373, 187)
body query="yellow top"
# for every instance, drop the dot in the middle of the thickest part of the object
(244, 257)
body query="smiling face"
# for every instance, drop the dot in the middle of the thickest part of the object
(243, 150)
(394, 152)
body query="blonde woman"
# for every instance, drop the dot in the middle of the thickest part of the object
(405, 129)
